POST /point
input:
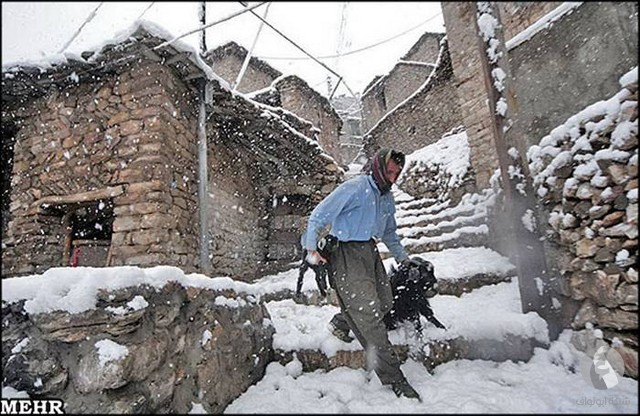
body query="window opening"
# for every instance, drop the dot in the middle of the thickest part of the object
(89, 228)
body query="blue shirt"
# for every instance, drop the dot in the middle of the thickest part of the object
(357, 212)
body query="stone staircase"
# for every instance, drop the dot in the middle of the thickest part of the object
(478, 297)
(426, 225)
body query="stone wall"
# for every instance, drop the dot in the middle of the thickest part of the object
(423, 118)
(374, 104)
(470, 85)
(407, 76)
(126, 140)
(586, 175)
(384, 93)
(602, 38)
(433, 179)
(296, 96)
(180, 346)
(227, 61)
(235, 209)
(516, 16)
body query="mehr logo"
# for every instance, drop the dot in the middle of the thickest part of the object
(32, 407)
(605, 370)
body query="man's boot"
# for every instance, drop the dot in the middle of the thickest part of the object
(403, 388)
(340, 333)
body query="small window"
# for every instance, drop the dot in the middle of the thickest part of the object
(89, 228)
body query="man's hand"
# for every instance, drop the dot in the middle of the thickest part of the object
(313, 258)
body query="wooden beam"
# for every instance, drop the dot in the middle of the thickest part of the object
(108, 192)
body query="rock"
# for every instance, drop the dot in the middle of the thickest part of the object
(162, 364)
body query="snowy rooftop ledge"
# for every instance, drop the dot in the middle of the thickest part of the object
(152, 28)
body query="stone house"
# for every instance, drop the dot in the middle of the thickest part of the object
(265, 84)
(415, 103)
(587, 261)
(227, 61)
(537, 59)
(103, 155)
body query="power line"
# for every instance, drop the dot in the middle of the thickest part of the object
(146, 10)
(340, 78)
(356, 50)
(87, 20)
(224, 19)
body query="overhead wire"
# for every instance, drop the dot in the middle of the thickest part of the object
(203, 27)
(250, 9)
(146, 10)
(75, 35)
(356, 50)
(340, 78)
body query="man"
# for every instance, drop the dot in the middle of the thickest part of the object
(360, 212)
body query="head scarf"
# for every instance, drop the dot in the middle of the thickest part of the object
(378, 167)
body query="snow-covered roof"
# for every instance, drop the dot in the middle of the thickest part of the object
(232, 48)
(146, 40)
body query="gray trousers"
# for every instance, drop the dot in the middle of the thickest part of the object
(364, 295)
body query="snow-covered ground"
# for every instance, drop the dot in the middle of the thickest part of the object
(551, 382)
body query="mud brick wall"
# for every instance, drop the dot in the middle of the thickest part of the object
(423, 118)
(296, 96)
(132, 133)
(235, 209)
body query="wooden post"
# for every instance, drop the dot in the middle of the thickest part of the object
(534, 279)
(68, 236)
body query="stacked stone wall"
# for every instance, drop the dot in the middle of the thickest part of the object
(309, 105)
(587, 180)
(423, 118)
(178, 345)
(603, 41)
(404, 80)
(373, 106)
(252, 80)
(235, 212)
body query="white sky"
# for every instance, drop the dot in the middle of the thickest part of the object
(36, 30)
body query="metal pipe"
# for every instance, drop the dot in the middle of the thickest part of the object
(203, 179)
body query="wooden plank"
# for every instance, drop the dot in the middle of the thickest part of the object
(38, 207)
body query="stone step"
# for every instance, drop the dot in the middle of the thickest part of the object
(431, 353)
(475, 330)
(462, 237)
(468, 236)
(428, 228)
(420, 207)
(412, 216)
